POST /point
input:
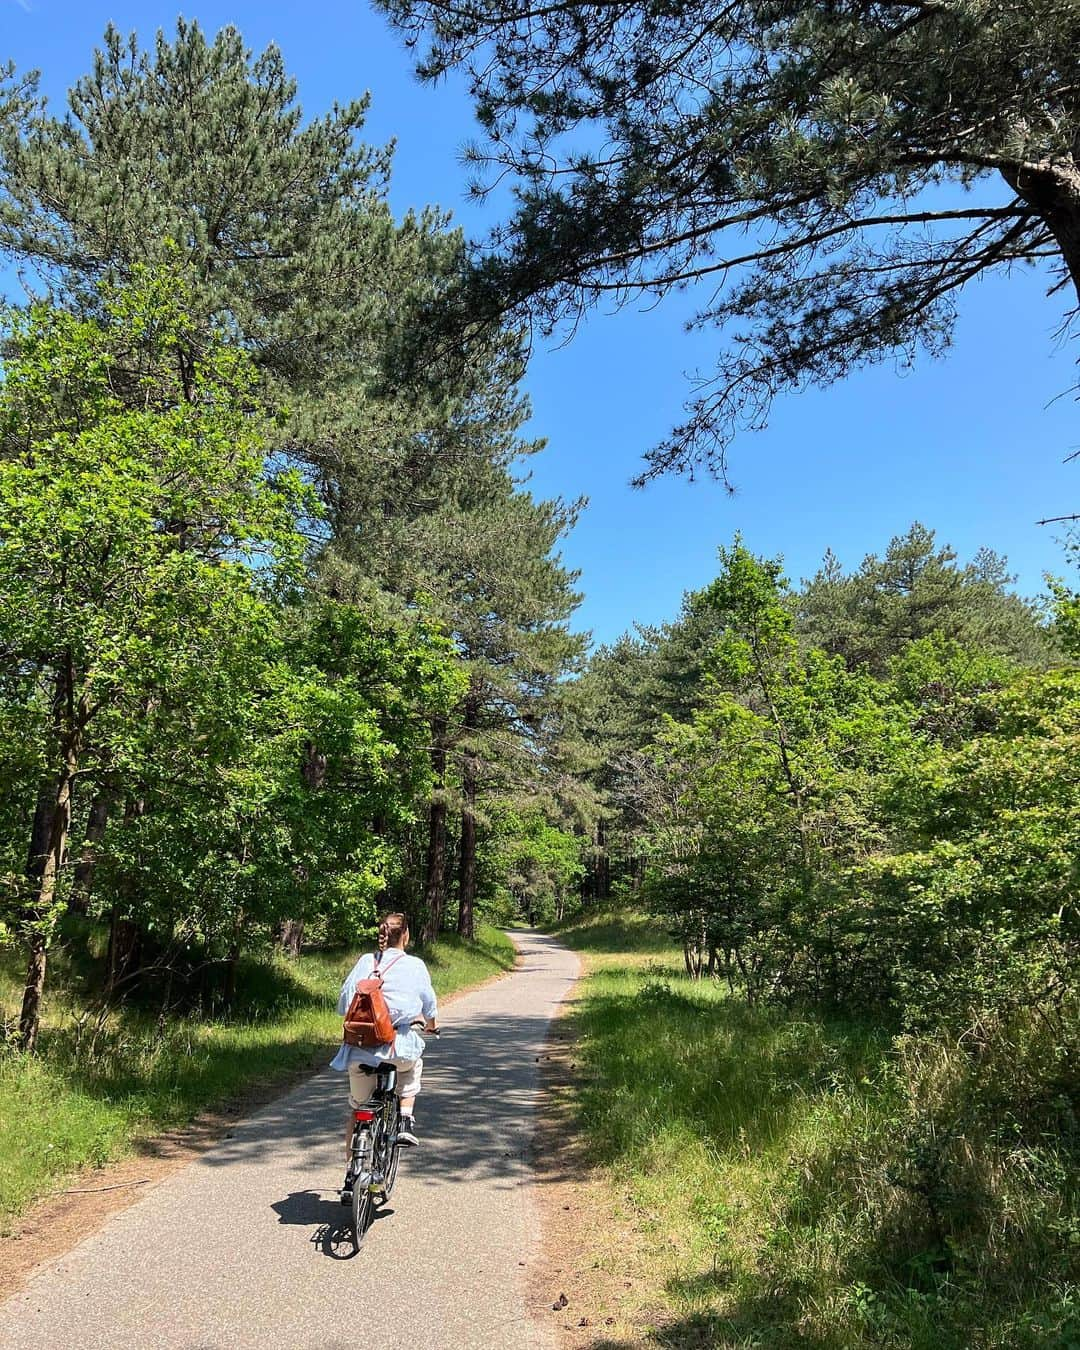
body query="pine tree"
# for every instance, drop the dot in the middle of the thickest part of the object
(833, 173)
(916, 589)
(197, 151)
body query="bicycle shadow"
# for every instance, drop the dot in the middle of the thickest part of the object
(330, 1220)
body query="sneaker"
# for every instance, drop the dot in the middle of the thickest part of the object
(406, 1135)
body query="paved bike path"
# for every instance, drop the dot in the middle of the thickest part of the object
(246, 1246)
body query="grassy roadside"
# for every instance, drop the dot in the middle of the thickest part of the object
(796, 1181)
(97, 1085)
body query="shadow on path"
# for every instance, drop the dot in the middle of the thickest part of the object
(329, 1218)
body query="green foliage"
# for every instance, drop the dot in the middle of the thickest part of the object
(762, 802)
(261, 759)
(539, 864)
(286, 251)
(981, 915)
(917, 590)
(142, 551)
(873, 1102)
(269, 218)
(815, 831)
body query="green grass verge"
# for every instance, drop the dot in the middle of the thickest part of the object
(456, 964)
(96, 1086)
(810, 1182)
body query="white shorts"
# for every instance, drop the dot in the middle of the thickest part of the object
(362, 1080)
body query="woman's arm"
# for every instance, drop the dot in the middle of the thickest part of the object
(351, 980)
(428, 1002)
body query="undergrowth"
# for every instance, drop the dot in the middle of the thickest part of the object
(105, 1076)
(812, 1182)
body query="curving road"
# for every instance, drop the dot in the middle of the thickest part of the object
(244, 1247)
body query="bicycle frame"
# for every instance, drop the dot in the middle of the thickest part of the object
(374, 1138)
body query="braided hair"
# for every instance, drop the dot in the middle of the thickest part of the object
(392, 928)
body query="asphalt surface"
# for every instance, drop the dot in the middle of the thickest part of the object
(247, 1246)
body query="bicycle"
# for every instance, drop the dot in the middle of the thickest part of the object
(374, 1148)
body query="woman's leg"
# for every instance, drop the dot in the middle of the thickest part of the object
(410, 1072)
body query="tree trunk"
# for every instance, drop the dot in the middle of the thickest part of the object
(435, 867)
(122, 958)
(232, 961)
(603, 863)
(467, 856)
(48, 845)
(125, 936)
(96, 823)
(1054, 192)
(694, 949)
(292, 936)
(30, 1016)
(40, 831)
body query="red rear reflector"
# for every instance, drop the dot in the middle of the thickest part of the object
(363, 1115)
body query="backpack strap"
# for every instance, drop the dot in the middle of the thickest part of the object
(378, 971)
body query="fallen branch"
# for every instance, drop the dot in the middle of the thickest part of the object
(90, 1190)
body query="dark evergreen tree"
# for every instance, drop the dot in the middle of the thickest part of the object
(197, 152)
(616, 711)
(916, 589)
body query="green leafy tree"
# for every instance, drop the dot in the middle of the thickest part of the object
(538, 862)
(197, 149)
(833, 174)
(977, 916)
(305, 780)
(140, 545)
(767, 797)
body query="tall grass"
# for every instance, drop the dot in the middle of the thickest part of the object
(808, 1182)
(107, 1076)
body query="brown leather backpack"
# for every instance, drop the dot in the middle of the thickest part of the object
(368, 1021)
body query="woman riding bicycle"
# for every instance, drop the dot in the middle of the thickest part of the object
(410, 999)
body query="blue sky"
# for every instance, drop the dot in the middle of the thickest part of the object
(973, 445)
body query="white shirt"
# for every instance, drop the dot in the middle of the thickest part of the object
(409, 995)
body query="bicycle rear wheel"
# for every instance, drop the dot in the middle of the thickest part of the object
(362, 1199)
(391, 1168)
